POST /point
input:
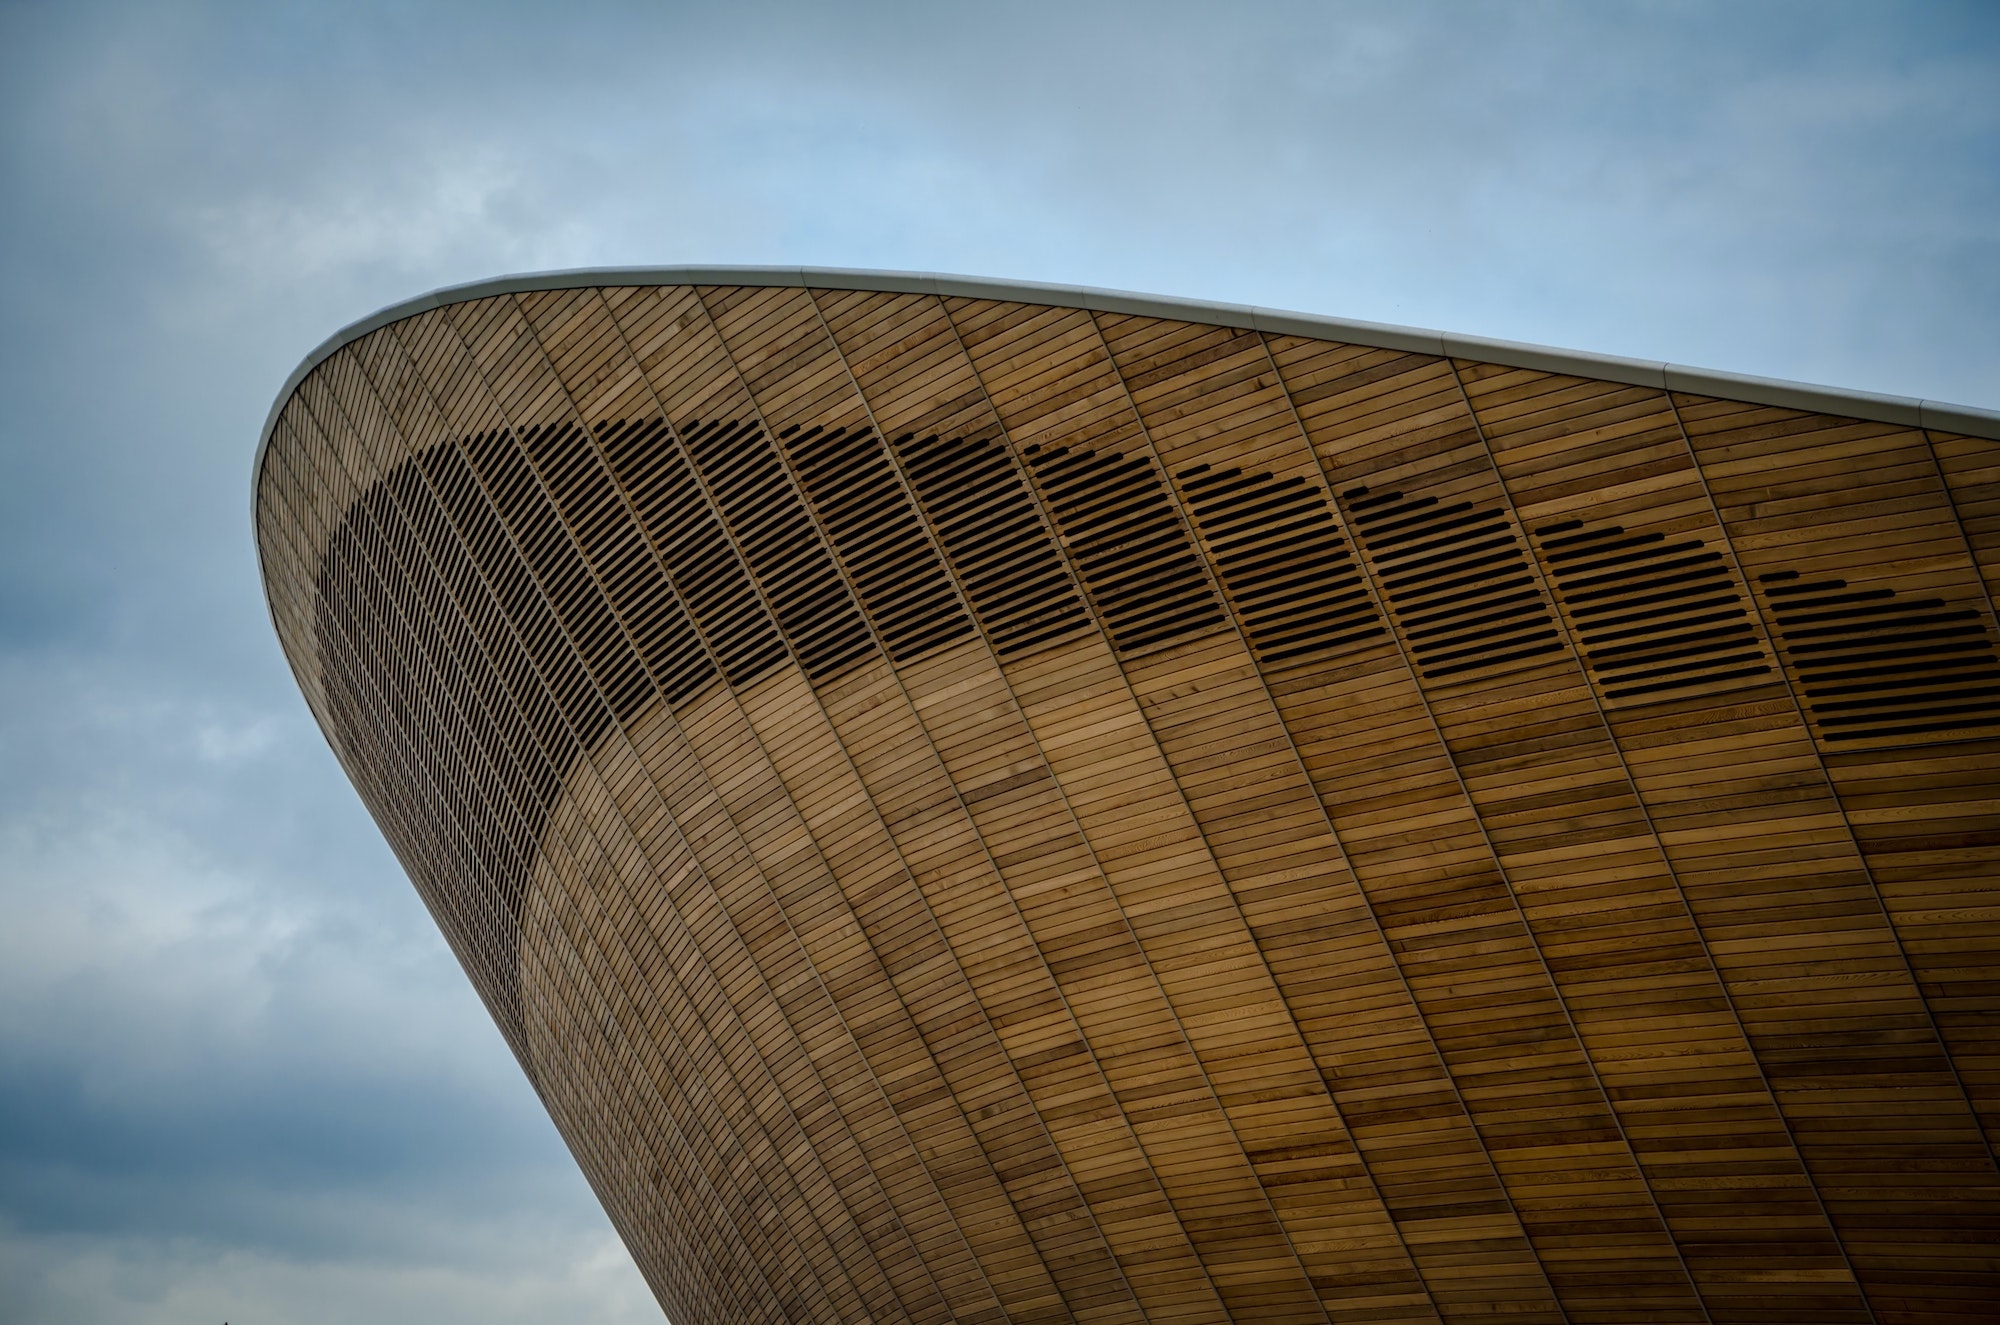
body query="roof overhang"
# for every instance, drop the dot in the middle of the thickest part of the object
(1908, 411)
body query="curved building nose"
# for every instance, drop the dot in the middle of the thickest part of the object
(981, 802)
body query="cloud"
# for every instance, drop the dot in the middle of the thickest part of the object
(237, 1065)
(516, 1280)
(240, 1075)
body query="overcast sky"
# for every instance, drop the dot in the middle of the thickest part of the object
(240, 1076)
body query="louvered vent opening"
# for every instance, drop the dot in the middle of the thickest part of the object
(705, 570)
(1282, 560)
(985, 517)
(1652, 616)
(850, 482)
(814, 608)
(1873, 664)
(446, 671)
(510, 569)
(614, 552)
(1457, 579)
(665, 634)
(1129, 545)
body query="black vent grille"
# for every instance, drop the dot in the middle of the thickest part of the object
(1129, 545)
(705, 569)
(660, 625)
(546, 589)
(615, 552)
(1290, 575)
(1457, 579)
(850, 482)
(814, 608)
(986, 519)
(1653, 617)
(1874, 665)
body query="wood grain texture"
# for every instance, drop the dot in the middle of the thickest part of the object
(972, 810)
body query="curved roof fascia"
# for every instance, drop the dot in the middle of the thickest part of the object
(1905, 410)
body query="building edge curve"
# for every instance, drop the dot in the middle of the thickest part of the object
(1911, 411)
(979, 802)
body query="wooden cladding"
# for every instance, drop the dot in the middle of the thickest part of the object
(892, 563)
(977, 811)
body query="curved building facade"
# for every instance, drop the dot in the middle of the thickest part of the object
(994, 803)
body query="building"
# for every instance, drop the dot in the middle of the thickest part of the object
(985, 802)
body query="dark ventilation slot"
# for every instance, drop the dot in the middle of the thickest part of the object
(849, 480)
(562, 597)
(659, 624)
(986, 519)
(1457, 579)
(424, 596)
(701, 563)
(1873, 664)
(1282, 560)
(613, 548)
(812, 603)
(1128, 543)
(441, 816)
(1652, 616)
(511, 486)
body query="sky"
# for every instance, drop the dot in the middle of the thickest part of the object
(241, 1078)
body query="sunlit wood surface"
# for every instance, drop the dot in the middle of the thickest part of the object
(969, 810)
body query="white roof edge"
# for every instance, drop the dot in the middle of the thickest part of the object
(1904, 410)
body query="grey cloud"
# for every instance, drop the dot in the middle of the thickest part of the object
(239, 1073)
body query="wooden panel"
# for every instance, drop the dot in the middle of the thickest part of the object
(1970, 469)
(1171, 1099)
(1233, 759)
(1549, 843)
(851, 1017)
(1811, 500)
(1611, 459)
(973, 810)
